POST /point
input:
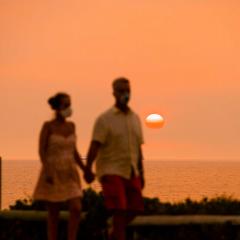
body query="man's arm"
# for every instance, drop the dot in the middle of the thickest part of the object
(140, 166)
(91, 156)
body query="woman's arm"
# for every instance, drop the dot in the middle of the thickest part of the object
(78, 159)
(43, 140)
(77, 156)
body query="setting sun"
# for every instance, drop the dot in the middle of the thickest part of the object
(154, 121)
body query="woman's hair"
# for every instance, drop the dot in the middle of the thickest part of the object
(55, 101)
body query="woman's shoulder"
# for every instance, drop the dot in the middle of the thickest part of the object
(47, 124)
(45, 128)
(52, 124)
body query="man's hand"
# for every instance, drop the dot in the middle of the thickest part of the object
(92, 153)
(88, 175)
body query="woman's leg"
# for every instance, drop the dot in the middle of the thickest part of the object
(75, 215)
(52, 221)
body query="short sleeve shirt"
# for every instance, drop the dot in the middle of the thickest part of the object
(120, 135)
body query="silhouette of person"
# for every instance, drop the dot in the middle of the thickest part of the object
(116, 147)
(59, 180)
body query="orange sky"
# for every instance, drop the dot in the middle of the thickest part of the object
(182, 57)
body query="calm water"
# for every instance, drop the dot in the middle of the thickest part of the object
(168, 180)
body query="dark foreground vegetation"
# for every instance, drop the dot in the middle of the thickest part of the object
(94, 225)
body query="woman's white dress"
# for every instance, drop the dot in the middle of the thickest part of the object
(62, 165)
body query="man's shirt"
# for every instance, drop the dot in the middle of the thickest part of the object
(120, 135)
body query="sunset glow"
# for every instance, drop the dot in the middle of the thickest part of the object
(154, 121)
(181, 57)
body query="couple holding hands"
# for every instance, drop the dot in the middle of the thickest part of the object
(116, 149)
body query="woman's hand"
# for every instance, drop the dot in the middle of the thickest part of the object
(89, 176)
(48, 175)
(49, 179)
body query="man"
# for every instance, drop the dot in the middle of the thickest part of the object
(116, 147)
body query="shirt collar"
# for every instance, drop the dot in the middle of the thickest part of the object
(117, 110)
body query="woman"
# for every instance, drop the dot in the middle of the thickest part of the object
(59, 180)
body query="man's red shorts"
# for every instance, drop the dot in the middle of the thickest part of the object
(122, 194)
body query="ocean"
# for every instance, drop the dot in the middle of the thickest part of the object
(171, 181)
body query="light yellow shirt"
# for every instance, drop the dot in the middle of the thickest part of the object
(121, 137)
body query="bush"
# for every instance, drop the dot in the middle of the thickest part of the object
(94, 225)
(220, 205)
(92, 202)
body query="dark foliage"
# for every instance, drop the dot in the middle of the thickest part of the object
(92, 203)
(94, 225)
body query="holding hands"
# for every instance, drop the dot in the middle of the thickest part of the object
(89, 176)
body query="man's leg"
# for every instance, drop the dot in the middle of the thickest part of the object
(120, 221)
(119, 226)
(115, 201)
(135, 204)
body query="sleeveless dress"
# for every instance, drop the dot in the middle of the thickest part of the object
(60, 161)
